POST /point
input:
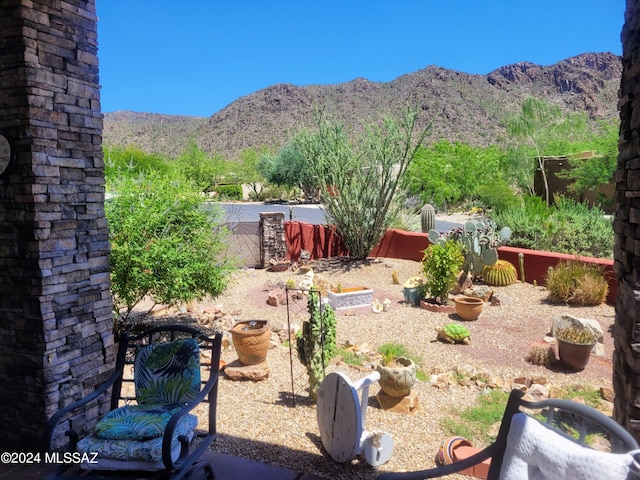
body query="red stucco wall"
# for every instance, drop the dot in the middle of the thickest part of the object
(321, 242)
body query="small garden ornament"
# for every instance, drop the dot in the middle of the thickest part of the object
(454, 333)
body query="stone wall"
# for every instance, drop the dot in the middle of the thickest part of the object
(271, 234)
(626, 377)
(56, 322)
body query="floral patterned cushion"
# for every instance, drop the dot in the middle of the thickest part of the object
(167, 373)
(135, 422)
(137, 450)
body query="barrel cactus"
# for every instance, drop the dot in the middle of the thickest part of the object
(500, 274)
(541, 353)
(454, 333)
(427, 218)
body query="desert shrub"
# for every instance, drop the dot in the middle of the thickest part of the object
(527, 223)
(407, 221)
(578, 229)
(163, 244)
(498, 195)
(566, 227)
(230, 192)
(576, 282)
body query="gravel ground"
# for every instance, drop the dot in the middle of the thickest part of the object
(273, 421)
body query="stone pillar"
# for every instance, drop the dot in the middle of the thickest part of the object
(271, 233)
(626, 358)
(56, 340)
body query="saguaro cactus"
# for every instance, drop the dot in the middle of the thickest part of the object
(317, 342)
(427, 218)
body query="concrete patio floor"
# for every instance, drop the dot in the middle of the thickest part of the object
(226, 467)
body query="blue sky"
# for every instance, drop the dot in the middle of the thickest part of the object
(196, 57)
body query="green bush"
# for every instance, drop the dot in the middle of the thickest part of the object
(566, 227)
(498, 195)
(441, 265)
(230, 192)
(578, 229)
(163, 244)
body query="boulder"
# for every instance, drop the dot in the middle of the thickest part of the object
(237, 371)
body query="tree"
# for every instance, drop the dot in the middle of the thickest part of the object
(446, 173)
(591, 173)
(204, 171)
(359, 184)
(290, 168)
(131, 161)
(163, 243)
(248, 171)
(544, 130)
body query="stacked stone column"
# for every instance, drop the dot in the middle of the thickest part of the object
(56, 341)
(626, 377)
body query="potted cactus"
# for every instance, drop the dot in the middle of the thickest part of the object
(413, 290)
(574, 346)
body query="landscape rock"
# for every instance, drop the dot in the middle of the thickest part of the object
(498, 299)
(479, 291)
(406, 404)
(536, 393)
(237, 371)
(276, 297)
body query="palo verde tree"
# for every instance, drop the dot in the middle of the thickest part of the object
(359, 183)
(542, 129)
(204, 170)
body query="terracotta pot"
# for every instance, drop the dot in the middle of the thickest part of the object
(468, 308)
(436, 307)
(397, 380)
(251, 340)
(574, 356)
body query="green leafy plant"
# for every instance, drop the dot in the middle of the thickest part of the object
(349, 357)
(576, 282)
(475, 421)
(163, 244)
(441, 265)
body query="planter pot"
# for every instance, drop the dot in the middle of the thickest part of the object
(412, 296)
(251, 340)
(397, 380)
(468, 308)
(436, 307)
(351, 297)
(574, 356)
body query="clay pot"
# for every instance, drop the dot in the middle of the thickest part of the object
(468, 308)
(574, 356)
(397, 379)
(251, 340)
(436, 307)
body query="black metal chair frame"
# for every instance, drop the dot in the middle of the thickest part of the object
(187, 465)
(583, 416)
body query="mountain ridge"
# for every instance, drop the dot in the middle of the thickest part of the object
(464, 107)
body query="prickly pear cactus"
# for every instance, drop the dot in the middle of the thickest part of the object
(317, 342)
(454, 333)
(500, 274)
(427, 218)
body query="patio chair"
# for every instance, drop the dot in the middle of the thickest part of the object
(547, 440)
(161, 376)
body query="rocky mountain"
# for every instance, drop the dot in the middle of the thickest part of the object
(459, 106)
